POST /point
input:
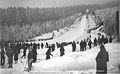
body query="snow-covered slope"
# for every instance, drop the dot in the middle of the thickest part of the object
(71, 61)
(72, 34)
(81, 60)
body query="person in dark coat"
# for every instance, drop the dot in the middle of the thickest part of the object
(81, 45)
(103, 39)
(16, 52)
(42, 45)
(2, 56)
(101, 61)
(85, 44)
(34, 53)
(53, 47)
(18, 47)
(48, 53)
(30, 58)
(95, 42)
(73, 46)
(99, 41)
(110, 39)
(24, 50)
(90, 44)
(10, 53)
(38, 46)
(106, 40)
(62, 50)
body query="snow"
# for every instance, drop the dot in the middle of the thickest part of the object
(71, 62)
(72, 34)
(80, 60)
(44, 36)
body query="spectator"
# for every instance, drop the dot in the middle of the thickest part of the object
(85, 44)
(62, 50)
(101, 60)
(81, 45)
(95, 42)
(2, 56)
(42, 45)
(73, 46)
(30, 58)
(110, 39)
(34, 52)
(10, 53)
(90, 44)
(106, 40)
(48, 53)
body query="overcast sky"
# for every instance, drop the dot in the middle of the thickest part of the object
(49, 3)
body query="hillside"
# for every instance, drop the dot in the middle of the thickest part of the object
(105, 17)
(16, 25)
(108, 17)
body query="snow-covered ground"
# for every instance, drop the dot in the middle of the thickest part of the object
(72, 61)
(80, 60)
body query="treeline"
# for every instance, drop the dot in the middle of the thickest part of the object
(19, 23)
(22, 16)
(109, 19)
(25, 32)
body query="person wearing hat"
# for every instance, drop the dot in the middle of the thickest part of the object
(30, 58)
(101, 61)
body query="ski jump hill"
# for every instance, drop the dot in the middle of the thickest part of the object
(72, 33)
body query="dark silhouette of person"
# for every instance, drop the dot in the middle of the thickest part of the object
(99, 41)
(95, 42)
(42, 45)
(24, 50)
(34, 52)
(38, 45)
(110, 39)
(48, 53)
(53, 47)
(2, 55)
(85, 44)
(46, 45)
(16, 52)
(101, 61)
(73, 46)
(102, 39)
(62, 50)
(10, 53)
(30, 58)
(90, 44)
(106, 40)
(81, 45)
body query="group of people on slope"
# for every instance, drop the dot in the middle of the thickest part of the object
(12, 50)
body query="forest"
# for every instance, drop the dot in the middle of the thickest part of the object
(21, 24)
(108, 16)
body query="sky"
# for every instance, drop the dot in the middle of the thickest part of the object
(49, 3)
